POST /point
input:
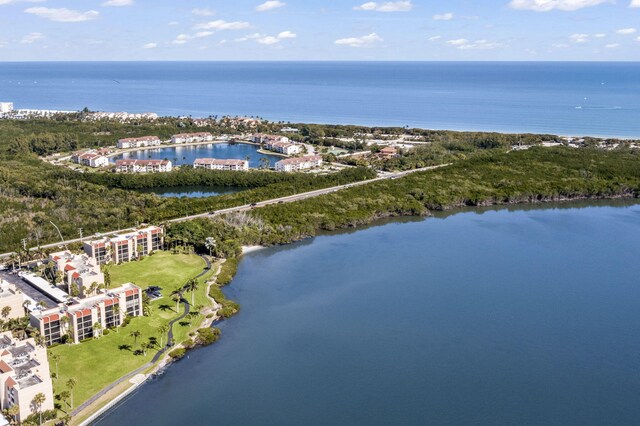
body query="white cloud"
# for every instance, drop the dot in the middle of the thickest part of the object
(249, 37)
(172, 23)
(626, 31)
(183, 38)
(287, 34)
(31, 38)
(203, 12)
(579, 38)
(118, 3)
(268, 40)
(560, 45)
(3, 44)
(434, 38)
(612, 45)
(221, 25)
(443, 17)
(365, 41)
(150, 46)
(63, 14)
(548, 5)
(390, 6)
(464, 44)
(20, 1)
(600, 35)
(635, 3)
(270, 5)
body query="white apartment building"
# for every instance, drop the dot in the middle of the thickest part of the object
(11, 298)
(192, 137)
(90, 158)
(297, 164)
(78, 270)
(125, 247)
(143, 166)
(77, 319)
(139, 142)
(24, 373)
(285, 148)
(265, 139)
(6, 107)
(216, 164)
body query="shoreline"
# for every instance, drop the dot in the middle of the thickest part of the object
(165, 362)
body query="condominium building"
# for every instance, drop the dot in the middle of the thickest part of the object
(285, 148)
(216, 164)
(139, 142)
(125, 247)
(192, 137)
(24, 373)
(90, 158)
(86, 318)
(266, 139)
(143, 166)
(80, 272)
(297, 164)
(6, 107)
(11, 301)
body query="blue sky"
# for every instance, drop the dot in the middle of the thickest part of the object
(319, 30)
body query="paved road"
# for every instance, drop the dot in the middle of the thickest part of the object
(287, 199)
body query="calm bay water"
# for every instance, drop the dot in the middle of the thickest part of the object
(191, 191)
(597, 99)
(503, 317)
(180, 155)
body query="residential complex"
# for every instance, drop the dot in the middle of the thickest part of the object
(80, 272)
(139, 142)
(297, 164)
(143, 166)
(82, 319)
(125, 247)
(216, 164)
(91, 158)
(192, 137)
(24, 373)
(266, 139)
(285, 148)
(6, 107)
(11, 301)
(388, 152)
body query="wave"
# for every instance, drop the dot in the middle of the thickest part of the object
(599, 107)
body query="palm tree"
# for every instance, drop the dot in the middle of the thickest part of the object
(192, 285)
(135, 334)
(163, 329)
(37, 402)
(71, 383)
(64, 396)
(144, 346)
(64, 323)
(55, 358)
(13, 412)
(6, 311)
(177, 296)
(97, 327)
(210, 243)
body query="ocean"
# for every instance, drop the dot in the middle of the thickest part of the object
(490, 317)
(596, 99)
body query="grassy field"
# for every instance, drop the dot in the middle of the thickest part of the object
(97, 363)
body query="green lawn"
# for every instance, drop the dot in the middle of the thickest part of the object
(97, 363)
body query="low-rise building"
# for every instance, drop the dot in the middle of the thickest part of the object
(80, 272)
(6, 107)
(141, 142)
(24, 373)
(388, 152)
(11, 301)
(125, 247)
(217, 164)
(143, 166)
(297, 164)
(266, 139)
(285, 148)
(90, 158)
(83, 319)
(192, 137)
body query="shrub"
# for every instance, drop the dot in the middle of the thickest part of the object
(207, 336)
(106, 332)
(177, 353)
(189, 343)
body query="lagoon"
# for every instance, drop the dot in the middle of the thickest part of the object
(181, 155)
(191, 191)
(502, 316)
